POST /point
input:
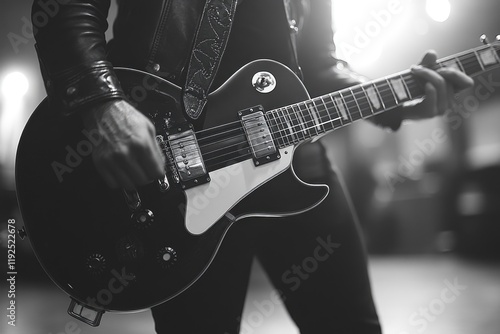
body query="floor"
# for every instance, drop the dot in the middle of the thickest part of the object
(432, 295)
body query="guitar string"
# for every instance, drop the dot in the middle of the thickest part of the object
(240, 130)
(471, 57)
(348, 99)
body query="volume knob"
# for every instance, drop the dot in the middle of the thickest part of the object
(166, 257)
(96, 264)
(143, 219)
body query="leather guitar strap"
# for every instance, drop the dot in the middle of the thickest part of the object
(209, 45)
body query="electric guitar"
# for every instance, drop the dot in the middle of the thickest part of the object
(117, 250)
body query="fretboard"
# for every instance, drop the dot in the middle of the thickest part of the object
(308, 119)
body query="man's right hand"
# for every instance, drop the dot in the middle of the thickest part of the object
(128, 154)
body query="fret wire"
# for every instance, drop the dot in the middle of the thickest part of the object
(345, 117)
(346, 106)
(317, 110)
(392, 90)
(390, 94)
(291, 118)
(285, 127)
(327, 112)
(276, 134)
(360, 104)
(386, 94)
(285, 124)
(307, 118)
(357, 104)
(295, 123)
(298, 124)
(279, 136)
(324, 113)
(494, 52)
(288, 129)
(353, 107)
(336, 109)
(317, 116)
(406, 87)
(379, 95)
(290, 125)
(470, 60)
(471, 65)
(460, 64)
(363, 101)
(464, 53)
(479, 60)
(302, 122)
(367, 99)
(413, 87)
(273, 128)
(490, 47)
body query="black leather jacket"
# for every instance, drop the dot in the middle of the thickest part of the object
(157, 36)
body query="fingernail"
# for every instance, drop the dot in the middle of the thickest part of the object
(416, 67)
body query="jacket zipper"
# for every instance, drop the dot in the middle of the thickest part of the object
(159, 32)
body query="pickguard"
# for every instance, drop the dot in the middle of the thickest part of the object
(207, 203)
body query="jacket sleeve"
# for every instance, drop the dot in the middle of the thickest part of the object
(71, 47)
(323, 72)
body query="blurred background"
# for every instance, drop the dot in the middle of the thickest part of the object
(430, 209)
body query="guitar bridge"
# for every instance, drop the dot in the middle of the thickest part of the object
(187, 159)
(258, 135)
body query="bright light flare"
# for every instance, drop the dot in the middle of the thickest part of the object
(438, 10)
(15, 85)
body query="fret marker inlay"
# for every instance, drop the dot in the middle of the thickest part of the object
(372, 95)
(340, 105)
(399, 89)
(487, 57)
(312, 109)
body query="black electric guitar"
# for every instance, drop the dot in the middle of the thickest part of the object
(116, 250)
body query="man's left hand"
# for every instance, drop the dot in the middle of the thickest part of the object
(441, 85)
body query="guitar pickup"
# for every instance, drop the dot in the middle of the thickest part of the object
(258, 135)
(186, 156)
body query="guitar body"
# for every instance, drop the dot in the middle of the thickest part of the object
(116, 252)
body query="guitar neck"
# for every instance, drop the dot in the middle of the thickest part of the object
(308, 119)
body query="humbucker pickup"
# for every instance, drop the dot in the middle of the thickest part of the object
(187, 159)
(258, 135)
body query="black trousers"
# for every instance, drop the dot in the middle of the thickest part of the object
(316, 261)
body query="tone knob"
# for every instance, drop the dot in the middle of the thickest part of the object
(143, 219)
(166, 257)
(95, 264)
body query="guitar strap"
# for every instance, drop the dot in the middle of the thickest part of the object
(209, 45)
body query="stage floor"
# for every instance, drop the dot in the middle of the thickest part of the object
(404, 287)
